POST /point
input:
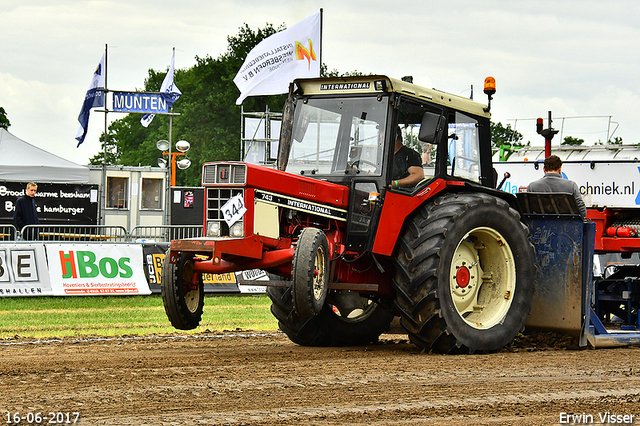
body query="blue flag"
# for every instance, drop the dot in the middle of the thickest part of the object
(93, 98)
(169, 92)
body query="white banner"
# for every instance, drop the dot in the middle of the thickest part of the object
(23, 270)
(107, 269)
(601, 184)
(279, 59)
(256, 275)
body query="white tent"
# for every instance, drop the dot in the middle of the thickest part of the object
(22, 162)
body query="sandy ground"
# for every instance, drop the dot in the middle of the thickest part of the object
(244, 378)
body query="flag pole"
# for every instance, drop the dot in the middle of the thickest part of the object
(321, 43)
(173, 56)
(170, 171)
(103, 192)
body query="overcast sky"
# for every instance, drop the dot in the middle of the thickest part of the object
(574, 58)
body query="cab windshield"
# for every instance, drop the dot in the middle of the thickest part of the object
(338, 136)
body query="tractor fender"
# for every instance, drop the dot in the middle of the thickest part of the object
(399, 206)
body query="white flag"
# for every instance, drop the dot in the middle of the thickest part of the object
(168, 90)
(279, 59)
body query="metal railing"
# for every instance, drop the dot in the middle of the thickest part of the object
(8, 233)
(100, 233)
(74, 233)
(165, 233)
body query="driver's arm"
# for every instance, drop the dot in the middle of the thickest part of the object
(416, 174)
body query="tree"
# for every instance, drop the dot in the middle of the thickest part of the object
(501, 135)
(570, 140)
(615, 141)
(324, 72)
(4, 121)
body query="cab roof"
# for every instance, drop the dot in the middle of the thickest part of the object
(380, 84)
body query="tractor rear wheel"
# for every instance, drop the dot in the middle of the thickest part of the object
(183, 298)
(345, 320)
(464, 274)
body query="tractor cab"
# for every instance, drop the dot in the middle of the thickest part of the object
(344, 130)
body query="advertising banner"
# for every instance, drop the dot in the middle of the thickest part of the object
(612, 184)
(56, 203)
(153, 259)
(249, 277)
(23, 270)
(62, 269)
(89, 269)
(228, 283)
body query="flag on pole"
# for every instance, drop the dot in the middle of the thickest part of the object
(168, 90)
(279, 59)
(93, 98)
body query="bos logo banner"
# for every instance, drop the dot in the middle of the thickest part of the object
(89, 269)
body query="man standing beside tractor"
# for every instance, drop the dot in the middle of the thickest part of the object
(25, 212)
(552, 181)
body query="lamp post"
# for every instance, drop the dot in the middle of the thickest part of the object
(165, 147)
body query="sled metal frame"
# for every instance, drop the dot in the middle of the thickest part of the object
(565, 290)
(597, 334)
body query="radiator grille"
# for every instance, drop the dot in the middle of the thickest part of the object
(215, 224)
(224, 173)
(217, 197)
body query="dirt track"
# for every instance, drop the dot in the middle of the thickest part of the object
(264, 379)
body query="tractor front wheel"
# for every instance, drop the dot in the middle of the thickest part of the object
(182, 292)
(310, 272)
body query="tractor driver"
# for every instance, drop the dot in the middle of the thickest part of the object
(552, 181)
(407, 164)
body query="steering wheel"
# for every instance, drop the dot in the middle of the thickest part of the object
(356, 165)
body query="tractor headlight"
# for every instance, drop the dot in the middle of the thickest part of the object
(237, 230)
(213, 229)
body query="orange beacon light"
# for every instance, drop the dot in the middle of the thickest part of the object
(490, 86)
(489, 90)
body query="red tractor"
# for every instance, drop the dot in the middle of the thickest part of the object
(347, 249)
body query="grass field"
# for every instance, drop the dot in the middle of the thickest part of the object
(124, 315)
